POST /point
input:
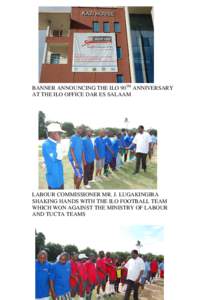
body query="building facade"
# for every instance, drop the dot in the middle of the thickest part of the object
(118, 45)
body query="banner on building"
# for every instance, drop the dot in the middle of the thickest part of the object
(94, 52)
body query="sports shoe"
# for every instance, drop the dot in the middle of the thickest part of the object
(87, 186)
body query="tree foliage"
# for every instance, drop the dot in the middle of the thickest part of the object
(53, 250)
(70, 249)
(39, 242)
(41, 125)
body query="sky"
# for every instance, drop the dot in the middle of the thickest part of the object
(108, 237)
(113, 114)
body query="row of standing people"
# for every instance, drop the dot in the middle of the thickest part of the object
(108, 152)
(80, 276)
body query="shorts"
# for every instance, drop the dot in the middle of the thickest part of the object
(75, 288)
(100, 163)
(66, 296)
(101, 281)
(143, 280)
(78, 172)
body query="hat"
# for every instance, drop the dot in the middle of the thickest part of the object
(54, 127)
(82, 256)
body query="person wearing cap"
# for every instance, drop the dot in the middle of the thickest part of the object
(42, 276)
(76, 156)
(74, 275)
(82, 275)
(52, 154)
(135, 268)
(101, 273)
(92, 275)
(89, 158)
(60, 278)
(99, 147)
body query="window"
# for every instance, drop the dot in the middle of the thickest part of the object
(57, 33)
(119, 53)
(95, 26)
(55, 58)
(119, 78)
(106, 27)
(117, 27)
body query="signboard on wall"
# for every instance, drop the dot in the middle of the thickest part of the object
(94, 52)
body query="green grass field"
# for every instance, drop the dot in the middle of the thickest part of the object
(121, 179)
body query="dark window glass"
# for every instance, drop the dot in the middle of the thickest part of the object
(117, 27)
(142, 35)
(106, 27)
(95, 26)
(55, 58)
(119, 78)
(119, 53)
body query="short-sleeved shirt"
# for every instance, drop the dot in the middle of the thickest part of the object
(147, 269)
(108, 145)
(108, 263)
(161, 266)
(134, 267)
(153, 139)
(100, 263)
(54, 166)
(74, 270)
(123, 141)
(82, 271)
(91, 272)
(100, 147)
(42, 274)
(88, 149)
(127, 140)
(154, 266)
(142, 141)
(77, 146)
(60, 274)
(116, 146)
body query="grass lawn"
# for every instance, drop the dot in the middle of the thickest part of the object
(121, 179)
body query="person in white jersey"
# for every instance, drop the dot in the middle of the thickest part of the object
(142, 141)
(135, 268)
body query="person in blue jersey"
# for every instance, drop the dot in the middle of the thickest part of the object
(89, 154)
(76, 156)
(52, 154)
(153, 143)
(161, 269)
(42, 276)
(127, 143)
(108, 151)
(99, 148)
(123, 145)
(116, 147)
(146, 274)
(132, 147)
(60, 278)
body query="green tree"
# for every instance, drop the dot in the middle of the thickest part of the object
(88, 251)
(39, 241)
(71, 249)
(69, 128)
(53, 250)
(123, 256)
(42, 125)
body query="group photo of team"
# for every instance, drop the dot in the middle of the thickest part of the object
(82, 157)
(66, 272)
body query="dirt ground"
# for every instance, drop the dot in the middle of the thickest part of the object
(153, 291)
